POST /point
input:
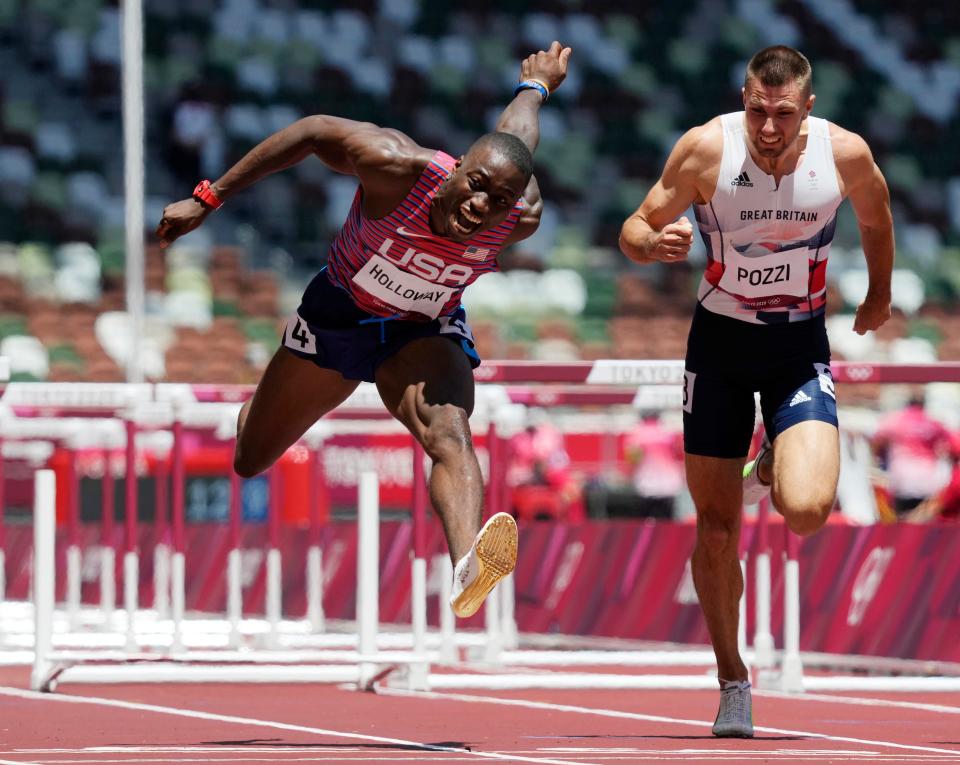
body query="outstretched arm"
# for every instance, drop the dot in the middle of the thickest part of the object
(867, 189)
(522, 115)
(522, 119)
(375, 155)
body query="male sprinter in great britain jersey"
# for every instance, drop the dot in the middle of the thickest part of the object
(386, 309)
(766, 184)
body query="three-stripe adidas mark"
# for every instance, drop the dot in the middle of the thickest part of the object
(742, 180)
(800, 398)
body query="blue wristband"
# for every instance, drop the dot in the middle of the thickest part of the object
(533, 85)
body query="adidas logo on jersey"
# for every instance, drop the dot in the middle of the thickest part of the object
(742, 180)
(800, 398)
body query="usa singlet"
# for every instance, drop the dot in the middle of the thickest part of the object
(767, 246)
(396, 266)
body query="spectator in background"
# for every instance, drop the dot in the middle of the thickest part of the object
(912, 446)
(540, 472)
(195, 130)
(655, 454)
(945, 504)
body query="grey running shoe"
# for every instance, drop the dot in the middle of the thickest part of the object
(735, 716)
(753, 488)
(492, 557)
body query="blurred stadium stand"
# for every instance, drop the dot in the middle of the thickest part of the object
(222, 74)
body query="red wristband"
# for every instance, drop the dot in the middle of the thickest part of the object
(204, 194)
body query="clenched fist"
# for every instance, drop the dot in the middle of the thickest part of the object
(550, 66)
(180, 218)
(673, 242)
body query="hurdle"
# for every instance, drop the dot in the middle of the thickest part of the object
(580, 378)
(161, 414)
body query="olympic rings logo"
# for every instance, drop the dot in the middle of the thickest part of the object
(860, 373)
(546, 398)
(486, 372)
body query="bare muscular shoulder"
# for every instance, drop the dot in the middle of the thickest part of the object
(704, 151)
(388, 164)
(689, 176)
(852, 156)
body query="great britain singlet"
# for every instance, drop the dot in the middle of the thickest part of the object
(396, 266)
(767, 246)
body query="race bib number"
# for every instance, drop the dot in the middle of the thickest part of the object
(297, 336)
(779, 273)
(453, 325)
(689, 378)
(825, 378)
(401, 290)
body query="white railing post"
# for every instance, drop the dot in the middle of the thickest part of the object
(742, 616)
(791, 674)
(44, 575)
(368, 573)
(448, 621)
(178, 576)
(508, 598)
(418, 677)
(315, 613)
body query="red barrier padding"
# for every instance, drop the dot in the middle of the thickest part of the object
(877, 590)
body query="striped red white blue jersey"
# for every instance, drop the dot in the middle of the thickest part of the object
(396, 266)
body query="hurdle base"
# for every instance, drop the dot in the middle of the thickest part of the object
(766, 679)
(786, 679)
(410, 675)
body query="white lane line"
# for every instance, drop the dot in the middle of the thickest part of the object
(631, 760)
(281, 756)
(860, 701)
(730, 755)
(759, 755)
(300, 754)
(775, 755)
(653, 718)
(181, 760)
(191, 750)
(656, 756)
(250, 721)
(18, 762)
(277, 757)
(631, 754)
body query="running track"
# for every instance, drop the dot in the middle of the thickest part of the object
(208, 723)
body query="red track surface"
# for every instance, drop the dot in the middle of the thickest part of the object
(206, 723)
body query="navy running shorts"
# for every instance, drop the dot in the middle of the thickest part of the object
(332, 332)
(728, 360)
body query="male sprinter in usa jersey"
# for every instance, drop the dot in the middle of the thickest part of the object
(765, 184)
(386, 308)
